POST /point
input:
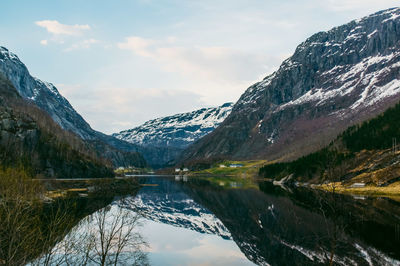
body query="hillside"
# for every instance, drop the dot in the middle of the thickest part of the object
(46, 96)
(362, 153)
(333, 80)
(31, 140)
(166, 137)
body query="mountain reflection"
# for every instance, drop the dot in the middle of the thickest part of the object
(277, 227)
(224, 221)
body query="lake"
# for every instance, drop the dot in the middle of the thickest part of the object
(234, 221)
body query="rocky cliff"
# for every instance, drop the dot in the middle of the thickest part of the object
(333, 80)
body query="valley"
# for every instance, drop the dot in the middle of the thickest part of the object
(303, 169)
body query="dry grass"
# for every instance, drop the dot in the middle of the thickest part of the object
(249, 169)
(392, 190)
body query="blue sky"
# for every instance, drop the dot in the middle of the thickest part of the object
(123, 62)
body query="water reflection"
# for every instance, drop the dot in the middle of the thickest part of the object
(109, 236)
(196, 221)
(303, 227)
(178, 229)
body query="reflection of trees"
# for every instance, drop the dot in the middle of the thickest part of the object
(31, 228)
(107, 237)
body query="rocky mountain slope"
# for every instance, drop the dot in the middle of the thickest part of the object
(168, 136)
(46, 96)
(333, 80)
(31, 140)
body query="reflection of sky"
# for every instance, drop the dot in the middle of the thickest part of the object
(171, 245)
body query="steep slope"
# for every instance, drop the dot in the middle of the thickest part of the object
(30, 139)
(333, 80)
(168, 136)
(46, 96)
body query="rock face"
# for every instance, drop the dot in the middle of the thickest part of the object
(46, 96)
(164, 138)
(333, 80)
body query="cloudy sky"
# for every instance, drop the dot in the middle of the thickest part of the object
(123, 62)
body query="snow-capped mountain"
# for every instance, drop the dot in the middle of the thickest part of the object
(174, 133)
(46, 96)
(333, 80)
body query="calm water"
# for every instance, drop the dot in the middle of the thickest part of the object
(211, 221)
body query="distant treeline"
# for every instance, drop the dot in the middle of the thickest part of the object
(375, 134)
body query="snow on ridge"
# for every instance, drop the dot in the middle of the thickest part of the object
(4, 51)
(350, 79)
(188, 215)
(179, 129)
(357, 32)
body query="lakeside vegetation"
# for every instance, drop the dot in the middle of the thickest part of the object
(223, 168)
(391, 191)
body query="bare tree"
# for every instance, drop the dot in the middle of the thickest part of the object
(19, 203)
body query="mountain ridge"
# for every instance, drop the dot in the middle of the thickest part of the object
(46, 96)
(333, 80)
(168, 136)
(32, 141)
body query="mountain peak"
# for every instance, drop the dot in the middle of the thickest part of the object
(169, 135)
(178, 130)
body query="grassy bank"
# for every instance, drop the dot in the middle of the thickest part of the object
(247, 169)
(369, 190)
(91, 188)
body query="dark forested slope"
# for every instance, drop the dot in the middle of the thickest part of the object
(30, 139)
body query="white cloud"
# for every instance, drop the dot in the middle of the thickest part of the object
(85, 44)
(216, 73)
(57, 28)
(138, 45)
(44, 42)
(215, 62)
